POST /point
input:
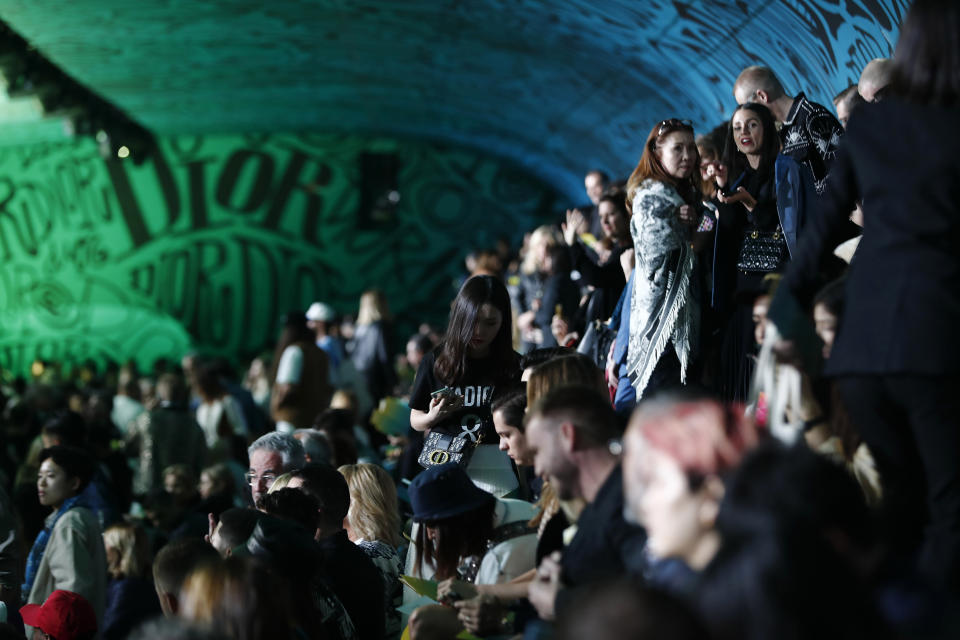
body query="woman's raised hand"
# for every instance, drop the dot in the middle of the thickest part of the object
(573, 226)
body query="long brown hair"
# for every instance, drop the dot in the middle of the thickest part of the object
(651, 167)
(451, 362)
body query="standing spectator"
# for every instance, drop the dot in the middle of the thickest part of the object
(810, 134)
(301, 388)
(748, 211)
(219, 414)
(165, 436)
(320, 318)
(875, 78)
(603, 276)
(845, 102)
(126, 404)
(544, 284)
(372, 352)
(131, 598)
(474, 357)
(895, 357)
(664, 315)
(68, 554)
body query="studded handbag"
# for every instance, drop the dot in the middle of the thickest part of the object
(762, 251)
(441, 448)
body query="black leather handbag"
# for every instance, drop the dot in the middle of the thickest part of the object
(441, 448)
(762, 251)
(596, 342)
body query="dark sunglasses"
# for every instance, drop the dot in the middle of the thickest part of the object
(673, 124)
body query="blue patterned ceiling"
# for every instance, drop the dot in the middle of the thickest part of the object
(555, 86)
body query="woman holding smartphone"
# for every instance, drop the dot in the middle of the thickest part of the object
(455, 381)
(747, 212)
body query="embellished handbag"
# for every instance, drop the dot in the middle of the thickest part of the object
(762, 251)
(441, 448)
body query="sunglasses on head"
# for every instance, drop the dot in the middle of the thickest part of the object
(673, 124)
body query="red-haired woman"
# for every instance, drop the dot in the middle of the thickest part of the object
(663, 314)
(678, 452)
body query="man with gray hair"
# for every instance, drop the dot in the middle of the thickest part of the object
(874, 79)
(270, 456)
(810, 134)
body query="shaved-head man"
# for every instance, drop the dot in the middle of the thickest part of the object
(810, 134)
(875, 77)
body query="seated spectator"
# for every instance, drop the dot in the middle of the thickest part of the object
(171, 567)
(569, 432)
(345, 566)
(163, 436)
(316, 446)
(232, 529)
(676, 453)
(64, 615)
(625, 610)
(68, 554)
(797, 538)
(290, 550)
(465, 537)
(131, 597)
(373, 524)
(239, 596)
(271, 455)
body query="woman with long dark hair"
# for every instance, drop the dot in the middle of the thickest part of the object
(664, 312)
(747, 215)
(475, 357)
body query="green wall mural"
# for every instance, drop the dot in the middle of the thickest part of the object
(208, 242)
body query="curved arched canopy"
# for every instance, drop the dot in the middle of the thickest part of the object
(555, 86)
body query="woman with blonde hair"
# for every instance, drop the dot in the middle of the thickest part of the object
(544, 285)
(371, 351)
(238, 596)
(131, 598)
(373, 524)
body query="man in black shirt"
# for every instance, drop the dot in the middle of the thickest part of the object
(570, 432)
(810, 134)
(353, 577)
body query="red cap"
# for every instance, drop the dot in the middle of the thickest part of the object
(65, 615)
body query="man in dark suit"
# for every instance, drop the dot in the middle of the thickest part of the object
(896, 357)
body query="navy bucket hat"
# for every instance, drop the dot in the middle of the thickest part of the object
(445, 491)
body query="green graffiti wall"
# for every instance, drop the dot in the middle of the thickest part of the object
(207, 243)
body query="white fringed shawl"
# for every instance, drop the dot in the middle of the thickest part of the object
(663, 307)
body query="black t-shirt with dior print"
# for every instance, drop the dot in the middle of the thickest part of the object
(475, 386)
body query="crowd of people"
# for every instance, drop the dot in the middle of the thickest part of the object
(716, 402)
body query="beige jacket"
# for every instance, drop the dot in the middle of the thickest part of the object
(74, 560)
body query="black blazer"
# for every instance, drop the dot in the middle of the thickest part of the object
(902, 311)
